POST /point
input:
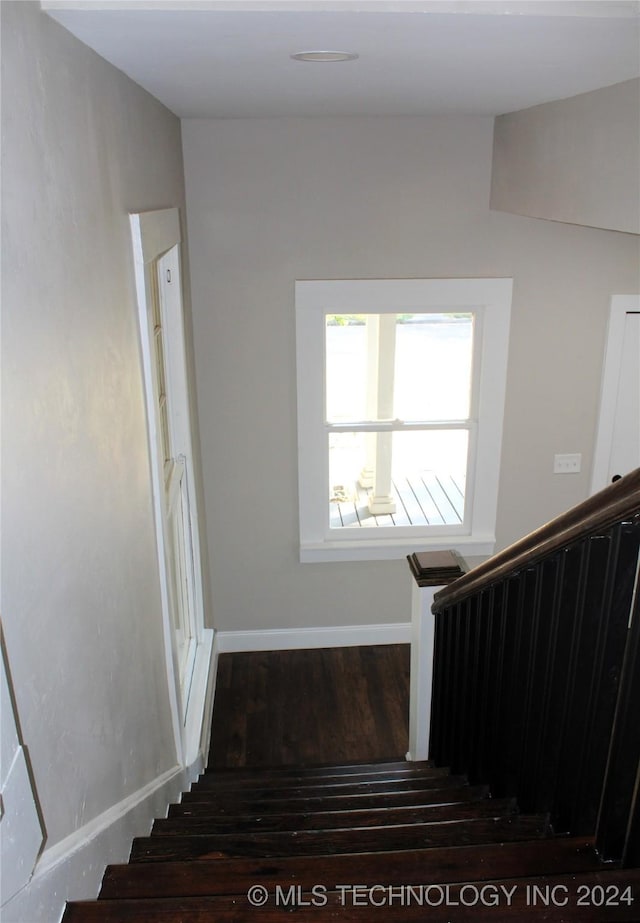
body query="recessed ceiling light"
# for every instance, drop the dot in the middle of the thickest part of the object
(324, 56)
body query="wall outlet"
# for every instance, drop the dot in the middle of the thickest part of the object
(567, 464)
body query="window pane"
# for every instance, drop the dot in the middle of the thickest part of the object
(428, 476)
(433, 367)
(346, 368)
(398, 366)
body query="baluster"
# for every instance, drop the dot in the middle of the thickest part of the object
(462, 689)
(618, 828)
(438, 703)
(554, 704)
(441, 712)
(455, 617)
(437, 698)
(483, 729)
(612, 628)
(631, 853)
(496, 693)
(518, 680)
(499, 775)
(586, 615)
(540, 662)
(469, 697)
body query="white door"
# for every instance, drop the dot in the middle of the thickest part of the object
(618, 439)
(156, 244)
(172, 445)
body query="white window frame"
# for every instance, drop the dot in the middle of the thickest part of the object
(490, 302)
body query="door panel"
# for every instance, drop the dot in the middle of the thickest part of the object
(170, 384)
(617, 449)
(625, 442)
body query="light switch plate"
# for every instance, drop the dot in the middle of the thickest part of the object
(567, 464)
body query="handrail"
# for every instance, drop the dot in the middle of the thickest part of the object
(613, 504)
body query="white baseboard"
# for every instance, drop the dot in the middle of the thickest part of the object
(73, 868)
(282, 639)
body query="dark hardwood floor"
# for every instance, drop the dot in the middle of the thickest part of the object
(280, 708)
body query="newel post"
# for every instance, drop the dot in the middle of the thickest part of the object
(430, 571)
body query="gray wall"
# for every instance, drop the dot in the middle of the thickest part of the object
(82, 146)
(574, 160)
(271, 201)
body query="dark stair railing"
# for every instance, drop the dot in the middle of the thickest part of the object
(536, 687)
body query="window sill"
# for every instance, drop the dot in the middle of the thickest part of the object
(394, 549)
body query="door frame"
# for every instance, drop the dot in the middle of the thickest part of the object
(621, 305)
(153, 234)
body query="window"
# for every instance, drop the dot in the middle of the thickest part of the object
(401, 389)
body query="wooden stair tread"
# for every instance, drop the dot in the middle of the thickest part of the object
(228, 808)
(291, 778)
(303, 769)
(206, 793)
(371, 839)
(357, 782)
(456, 863)
(328, 820)
(299, 829)
(337, 907)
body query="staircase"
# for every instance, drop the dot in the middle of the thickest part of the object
(407, 841)
(536, 691)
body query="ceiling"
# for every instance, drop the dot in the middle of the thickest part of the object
(232, 59)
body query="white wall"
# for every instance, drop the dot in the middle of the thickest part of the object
(82, 146)
(574, 160)
(271, 201)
